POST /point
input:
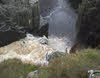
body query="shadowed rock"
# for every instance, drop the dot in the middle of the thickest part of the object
(16, 18)
(89, 23)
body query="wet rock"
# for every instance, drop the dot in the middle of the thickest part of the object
(43, 40)
(43, 29)
(46, 6)
(77, 47)
(10, 36)
(33, 74)
(89, 24)
(75, 3)
(98, 3)
(54, 55)
(17, 17)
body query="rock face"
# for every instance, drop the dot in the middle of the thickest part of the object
(46, 6)
(89, 23)
(75, 3)
(16, 18)
(44, 25)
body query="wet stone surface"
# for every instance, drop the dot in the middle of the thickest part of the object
(18, 18)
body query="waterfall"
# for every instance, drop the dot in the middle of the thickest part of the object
(62, 20)
(61, 3)
(38, 50)
(62, 33)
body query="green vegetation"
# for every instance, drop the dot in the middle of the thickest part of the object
(73, 65)
(15, 69)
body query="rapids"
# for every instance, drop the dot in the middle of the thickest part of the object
(62, 20)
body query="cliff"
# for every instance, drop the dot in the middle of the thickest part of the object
(88, 23)
(18, 17)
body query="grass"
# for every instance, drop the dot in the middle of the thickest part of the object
(69, 66)
(73, 65)
(15, 69)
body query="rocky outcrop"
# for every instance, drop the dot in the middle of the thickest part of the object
(46, 6)
(21, 12)
(44, 25)
(17, 17)
(89, 23)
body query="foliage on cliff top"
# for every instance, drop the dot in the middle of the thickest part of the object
(15, 69)
(73, 65)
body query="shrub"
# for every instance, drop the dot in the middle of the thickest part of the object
(15, 69)
(73, 65)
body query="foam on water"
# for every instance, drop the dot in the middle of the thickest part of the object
(35, 50)
(30, 50)
(62, 20)
(60, 44)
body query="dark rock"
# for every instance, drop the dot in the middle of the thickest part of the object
(8, 36)
(46, 6)
(43, 40)
(17, 17)
(77, 47)
(98, 3)
(43, 29)
(89, 24)
(75, 3)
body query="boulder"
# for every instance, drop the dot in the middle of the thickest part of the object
(53, 55)
(33, 74)
(43, 40)
(44, 25)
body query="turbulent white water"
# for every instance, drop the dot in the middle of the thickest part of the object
(37, 50)
(33, 50)
(62, 20)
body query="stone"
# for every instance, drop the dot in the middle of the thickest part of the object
(53, 55)
(44, 25)
(46, 6)
(43, 40)
(33, 74)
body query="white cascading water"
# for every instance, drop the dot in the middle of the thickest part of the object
(32, 50)
(62, 34)
(62, 20)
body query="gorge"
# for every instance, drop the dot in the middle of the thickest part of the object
(49, 38)
(58, 21)
(56, 18)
